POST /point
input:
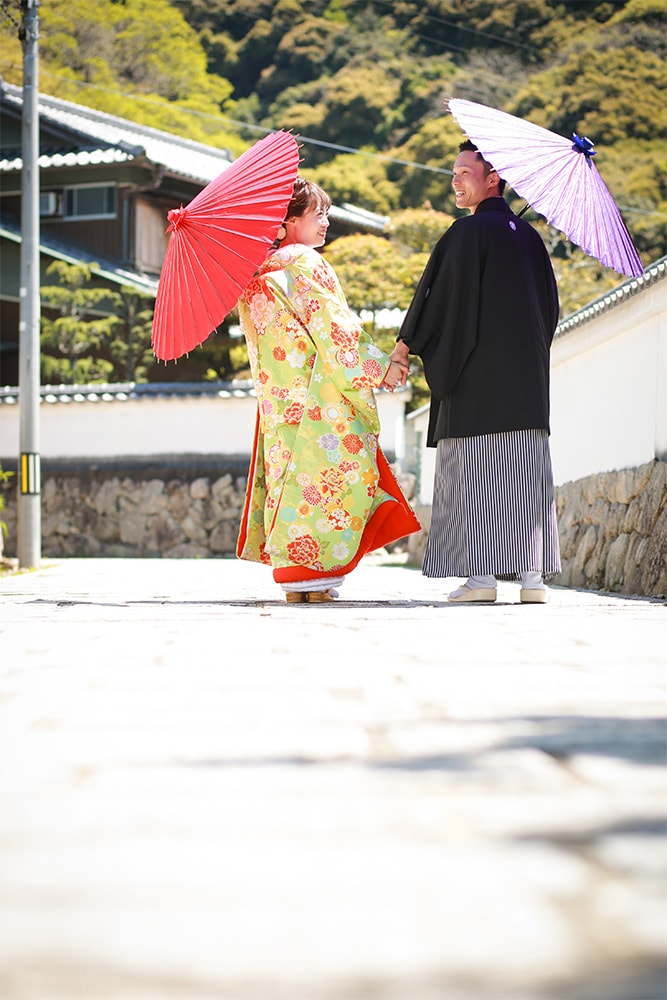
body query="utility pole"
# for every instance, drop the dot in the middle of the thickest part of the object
(29, 512)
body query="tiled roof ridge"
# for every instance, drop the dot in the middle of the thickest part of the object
(124, 391)
(653, 273)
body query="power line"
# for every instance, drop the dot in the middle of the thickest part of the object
(306, 140)
(5, 8)
(302, 139)
(460, 27)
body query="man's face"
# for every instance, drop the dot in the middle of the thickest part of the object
(471, 185)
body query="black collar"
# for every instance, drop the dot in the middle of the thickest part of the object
(495, 204)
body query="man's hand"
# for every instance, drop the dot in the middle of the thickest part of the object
(395, 375)
(401, 357)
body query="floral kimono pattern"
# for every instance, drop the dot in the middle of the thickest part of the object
(320, 493)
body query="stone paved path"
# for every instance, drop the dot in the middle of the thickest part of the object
(206, 794)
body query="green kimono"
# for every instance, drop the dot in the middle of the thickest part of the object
(320, 493)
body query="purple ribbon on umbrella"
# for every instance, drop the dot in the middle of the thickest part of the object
(582, 144)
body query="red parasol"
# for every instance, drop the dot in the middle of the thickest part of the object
(218, 241)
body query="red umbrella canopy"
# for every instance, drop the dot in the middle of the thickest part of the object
(218, 241)
(557, 176)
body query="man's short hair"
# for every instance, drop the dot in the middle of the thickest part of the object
(469, 146)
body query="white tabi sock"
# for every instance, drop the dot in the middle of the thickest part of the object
(481, 583)
(322, 583)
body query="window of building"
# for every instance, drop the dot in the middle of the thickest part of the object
(90, 201)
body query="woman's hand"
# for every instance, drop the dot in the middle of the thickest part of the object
(396, 374)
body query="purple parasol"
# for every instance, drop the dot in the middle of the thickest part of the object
(557, 177)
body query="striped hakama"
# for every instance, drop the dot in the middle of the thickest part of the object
(493, 507)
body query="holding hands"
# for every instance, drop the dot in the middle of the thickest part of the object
(397, 373)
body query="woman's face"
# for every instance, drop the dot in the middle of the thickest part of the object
(309, 228)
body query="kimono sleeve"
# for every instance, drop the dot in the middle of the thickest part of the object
(346, 354)
(442, 320)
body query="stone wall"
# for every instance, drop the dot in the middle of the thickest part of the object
(613, 531)
(180, 509)
(175, 510)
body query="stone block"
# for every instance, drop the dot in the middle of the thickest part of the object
(227, 514)
(615, 561)
(179, 500)
(193, 529)
(566, 516)
(49, 491)
(163, 533)
(55, 523)
(84, 546)
(626, 484)
(133, 529)
(632, 576)
(105, 498)
(616, 514)
(594, 571)
(654, 498)
(585, 548)
(654, 562)
(597, 513)
(150, 497)
(590, 489)
(107, 529)
(209, 512)
(200, 488)
(223, 538)
(223, 486)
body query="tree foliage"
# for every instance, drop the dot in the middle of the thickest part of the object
(75, 323)
(417, 230)
(90, 334)
(372, 76)
(593, 93)
(139, 59)
(370, 271)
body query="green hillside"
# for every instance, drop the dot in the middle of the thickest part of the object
(363, 84)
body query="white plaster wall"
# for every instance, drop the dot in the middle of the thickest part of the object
(419, 454)
(135, 427)
(157, 426)
(608, 389)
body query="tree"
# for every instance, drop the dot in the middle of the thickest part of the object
(92, 334)
(71, 342)
(308, 49)
(139, 59)
(148, 45)
(417, 230)
(357, 180)
(370, 271)
(129, 347)
(595, 94)
(222, 356)
(581, 279)
(433, 144)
